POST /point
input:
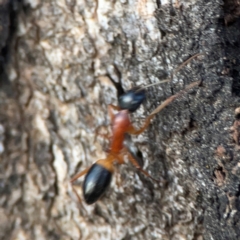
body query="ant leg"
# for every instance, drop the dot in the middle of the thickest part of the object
(76, 193)
(120, 159)
(173, 97)
(78, 175)
(133, 149)
(132, 130)
(136, 164)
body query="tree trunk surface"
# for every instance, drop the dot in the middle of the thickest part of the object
(56, 59)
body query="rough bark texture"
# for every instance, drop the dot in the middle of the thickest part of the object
(54, 94)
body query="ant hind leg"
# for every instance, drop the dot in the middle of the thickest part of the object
(136, 164)
(78, 175)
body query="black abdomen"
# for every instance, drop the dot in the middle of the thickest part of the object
(95, 183)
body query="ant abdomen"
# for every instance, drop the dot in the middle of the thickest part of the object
(132, 99)
(96, 183)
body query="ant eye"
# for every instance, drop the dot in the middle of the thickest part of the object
(132, 99)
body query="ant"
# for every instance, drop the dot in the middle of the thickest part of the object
(98, 176)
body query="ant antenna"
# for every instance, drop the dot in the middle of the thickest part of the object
(186, 62)
(173, 73)
(153, 84)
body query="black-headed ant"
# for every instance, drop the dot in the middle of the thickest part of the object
(98, 176)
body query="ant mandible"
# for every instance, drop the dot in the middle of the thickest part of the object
(98, 176)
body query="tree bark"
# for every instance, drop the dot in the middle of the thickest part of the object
(56, 59)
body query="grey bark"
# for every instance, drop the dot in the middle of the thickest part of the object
(54, 93)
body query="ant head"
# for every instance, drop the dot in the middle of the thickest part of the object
(132, 99)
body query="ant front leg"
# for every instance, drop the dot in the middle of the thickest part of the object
(133, 130)
(169, 100)
(173, 97)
